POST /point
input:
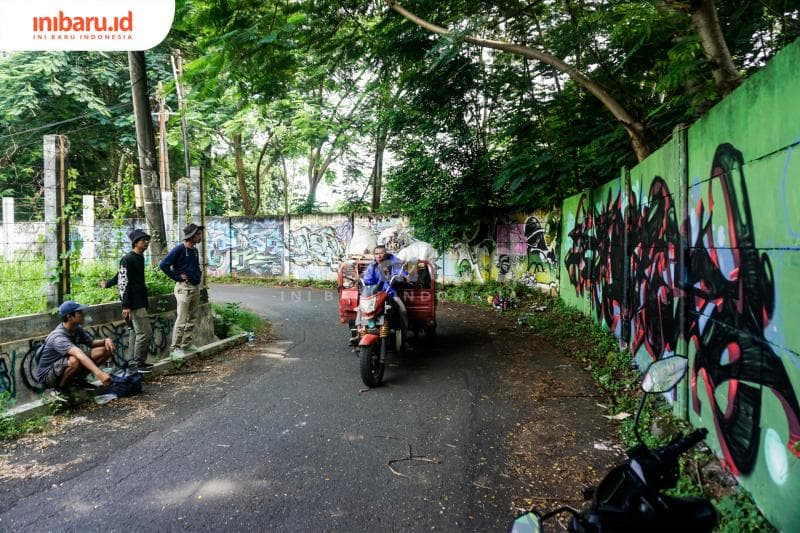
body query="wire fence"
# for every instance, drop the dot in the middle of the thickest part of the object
(94, 252)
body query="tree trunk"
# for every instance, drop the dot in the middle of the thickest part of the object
(706, 23)
(237, 153)
(286, 191)
(145, 139)
(634, 128)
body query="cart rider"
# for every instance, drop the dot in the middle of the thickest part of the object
(381, 270)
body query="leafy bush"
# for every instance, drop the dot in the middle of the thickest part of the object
(230, 320)
(739, 514)
(11, 427)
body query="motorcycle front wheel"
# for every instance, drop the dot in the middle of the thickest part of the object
(371, 366)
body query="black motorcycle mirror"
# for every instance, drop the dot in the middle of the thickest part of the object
(660, 377)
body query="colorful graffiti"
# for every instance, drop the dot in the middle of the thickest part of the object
(118, 332)
(245, 247)
(315, 250)
(728, 289)
(692, 280)
(6, 377)
(730, 297)
(518, 248)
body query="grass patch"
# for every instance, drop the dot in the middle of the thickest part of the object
(230, 320)
(11, 427)
(23, 285)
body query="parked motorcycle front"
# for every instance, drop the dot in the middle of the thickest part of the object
(630, 496)
(379, 323)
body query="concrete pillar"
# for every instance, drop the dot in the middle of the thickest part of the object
(56, 244)
(182, 203)
(86, 229)
(8, 228)
(169, 215)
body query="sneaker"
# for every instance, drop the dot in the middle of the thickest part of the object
(145, 366)
(177, 354)
(353, 341)
(191, 349)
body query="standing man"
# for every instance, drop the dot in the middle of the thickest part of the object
(182, 264)
(61, 359)
(133, 294)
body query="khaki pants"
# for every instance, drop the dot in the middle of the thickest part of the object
(141, 335)
(188, 298)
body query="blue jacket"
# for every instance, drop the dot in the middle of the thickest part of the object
(383, 272)
(182, 260)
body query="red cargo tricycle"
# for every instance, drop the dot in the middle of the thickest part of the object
(377, 321)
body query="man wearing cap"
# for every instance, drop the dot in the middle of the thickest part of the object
(62, 360)
(133, 294)
(182, 264)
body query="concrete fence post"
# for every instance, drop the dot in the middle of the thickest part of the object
(56, 246)
(169, 215)
(182, 206)
(86, 228)
(8, 227)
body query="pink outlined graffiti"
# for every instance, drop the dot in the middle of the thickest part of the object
(730, 297)
(728, 289)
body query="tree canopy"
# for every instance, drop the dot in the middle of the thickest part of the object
(473, 107)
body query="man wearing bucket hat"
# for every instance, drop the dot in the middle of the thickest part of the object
(182, 264)
(133, 294)
(61, 360)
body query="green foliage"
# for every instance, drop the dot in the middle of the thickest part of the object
(11, 427)
(24, 289)
(739, 514)
(230, 320)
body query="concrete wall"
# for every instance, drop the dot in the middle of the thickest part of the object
(696, 252)
(20, 336)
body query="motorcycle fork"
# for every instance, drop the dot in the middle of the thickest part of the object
(384, 339)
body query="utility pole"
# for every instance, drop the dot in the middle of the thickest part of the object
(177, 72)
(145, 141)
(163, 151)
(163, 164)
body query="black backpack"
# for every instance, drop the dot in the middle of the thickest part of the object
(125, 382)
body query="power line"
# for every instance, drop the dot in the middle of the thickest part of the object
(65, 121)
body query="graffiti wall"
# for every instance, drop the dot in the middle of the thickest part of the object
(696, 253)
(245, 246)
(316, 244)
(515, 248)
(17, 350)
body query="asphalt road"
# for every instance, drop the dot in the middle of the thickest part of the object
(290, 440)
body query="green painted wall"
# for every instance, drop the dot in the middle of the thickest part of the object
(706, 234)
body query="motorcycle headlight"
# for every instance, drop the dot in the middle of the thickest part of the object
(368, 305)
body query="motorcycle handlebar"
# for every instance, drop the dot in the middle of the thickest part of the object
(680, 445)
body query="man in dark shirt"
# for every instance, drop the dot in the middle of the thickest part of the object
(133, 294)
(62, 360)
(182, 264)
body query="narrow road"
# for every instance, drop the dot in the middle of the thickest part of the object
(290, 440)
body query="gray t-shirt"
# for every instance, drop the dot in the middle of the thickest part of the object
(57, 344)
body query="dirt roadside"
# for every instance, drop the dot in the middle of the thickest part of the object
(562, 442)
